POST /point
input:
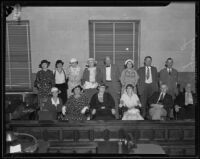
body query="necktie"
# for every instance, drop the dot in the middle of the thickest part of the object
(169, 71)
(162, 97)
(148, 73)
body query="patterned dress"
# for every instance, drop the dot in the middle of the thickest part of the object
(44, 82)
(74, 107)
(129, 76)
(74, 75)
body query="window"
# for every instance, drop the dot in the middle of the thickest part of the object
(18, 57)
(117, 39)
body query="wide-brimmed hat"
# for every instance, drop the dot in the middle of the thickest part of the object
(129, 60)
(44, 61)
(59, 61)
(55, 89)
(101, 84)
(73, 60)
(78, 86)
(92, 59)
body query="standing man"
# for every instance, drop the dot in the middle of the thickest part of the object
(147, 84)
(111, 77)
(169, 76)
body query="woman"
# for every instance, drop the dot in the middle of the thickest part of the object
(54, 104)
(130, 100)
(44, 82)
(74, 75)
(76, 106)
(91, 78)
(60, 80)
(129, 75)
(102, 104)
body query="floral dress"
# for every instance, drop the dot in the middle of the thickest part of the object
(44, 82)
(74, 107)
(129, 76)
(74, 76)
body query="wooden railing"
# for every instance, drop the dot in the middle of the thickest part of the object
(175, 137)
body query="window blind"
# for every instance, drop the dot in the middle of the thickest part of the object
(18, 56)
(117, 39)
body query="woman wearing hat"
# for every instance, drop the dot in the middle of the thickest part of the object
(54, 104)
(131, 101)
(44, 81)
(74, 75)
(129, 75)
(91, 77)
(60, 80)
(102, 104)
(76, 106)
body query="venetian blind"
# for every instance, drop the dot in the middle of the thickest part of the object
(18, 57)
(117, 39)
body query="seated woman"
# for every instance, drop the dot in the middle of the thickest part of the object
(184, 104)
(53, 104)
(102, 104)
(160, 104)
(130, 100)
(76, 106)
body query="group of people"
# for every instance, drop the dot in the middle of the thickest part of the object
(103, 93)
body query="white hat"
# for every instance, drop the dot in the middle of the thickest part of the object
(55, 89)
(73, 60)
(129, 60)
(91, 59)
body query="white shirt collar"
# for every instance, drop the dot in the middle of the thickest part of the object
(55, 103)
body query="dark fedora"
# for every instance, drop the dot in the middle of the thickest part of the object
(44, 61)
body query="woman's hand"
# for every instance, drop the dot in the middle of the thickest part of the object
(64, 110)
(84, 110)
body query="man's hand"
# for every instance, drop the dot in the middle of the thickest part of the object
(177, 108)
(93, 111)
(113, 111)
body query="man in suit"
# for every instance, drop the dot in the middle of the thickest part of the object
(169, 76)
(160, 104)
(185, 104)
(147, 84)
(111, 76)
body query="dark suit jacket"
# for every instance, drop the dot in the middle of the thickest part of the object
(180, 99)
(170, 80)
(115, 75)
(86, 75)
(167, 101)
(141, 81)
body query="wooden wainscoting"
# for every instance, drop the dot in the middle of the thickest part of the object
(175, 137)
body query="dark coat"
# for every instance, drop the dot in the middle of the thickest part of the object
(167, 101)
(86, 75)
(185, 112)
(108, 102)
(52, 108)
(115, 76)
(141, 81)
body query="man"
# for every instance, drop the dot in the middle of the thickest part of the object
(148, 83)
(160, 104)
(111, 76)
(169, 76)
(185, 103)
